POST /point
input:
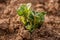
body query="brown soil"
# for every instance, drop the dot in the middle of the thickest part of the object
(12, 29)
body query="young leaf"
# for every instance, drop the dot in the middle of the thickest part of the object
(23, 19)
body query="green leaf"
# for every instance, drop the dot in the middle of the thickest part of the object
(28, 27)
(23, 19)
(19, 11)
(23, 10)
(31, 16)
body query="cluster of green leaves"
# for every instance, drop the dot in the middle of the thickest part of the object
(30, 19)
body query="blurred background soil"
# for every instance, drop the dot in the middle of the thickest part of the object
(12, 29)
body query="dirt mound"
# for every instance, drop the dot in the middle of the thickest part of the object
(12, 29)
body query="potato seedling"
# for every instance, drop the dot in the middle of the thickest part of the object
(30, 18)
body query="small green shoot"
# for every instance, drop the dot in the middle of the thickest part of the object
(30, 19)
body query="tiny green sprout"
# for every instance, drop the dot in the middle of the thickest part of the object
(30, 19)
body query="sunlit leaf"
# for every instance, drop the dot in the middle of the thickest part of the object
(23, 19)
(29, 6)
